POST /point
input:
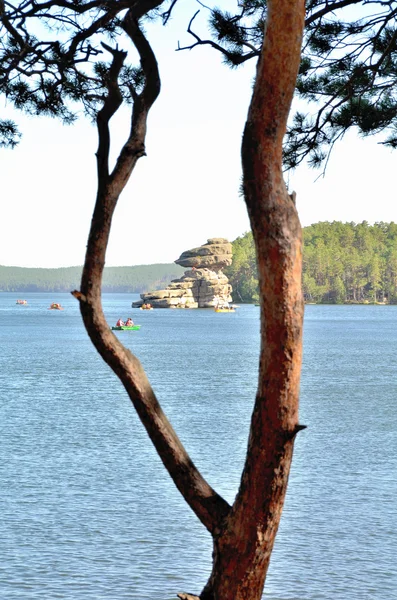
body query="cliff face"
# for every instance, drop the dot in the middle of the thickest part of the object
(203, 285)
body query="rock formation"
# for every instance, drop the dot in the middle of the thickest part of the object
(203, 285)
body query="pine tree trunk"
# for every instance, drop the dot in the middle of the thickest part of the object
(244, 533)
(241, 554)
(244, 541)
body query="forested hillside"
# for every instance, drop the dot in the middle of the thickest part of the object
(342, 263)
(116, 279)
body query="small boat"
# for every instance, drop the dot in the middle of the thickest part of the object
(55, 306)
(150, 308)
(225, 310)
(126, 327)
(24, 302)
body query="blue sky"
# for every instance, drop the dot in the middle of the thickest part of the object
(186, 189)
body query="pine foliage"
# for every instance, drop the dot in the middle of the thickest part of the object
(55, 59)
(348, 70)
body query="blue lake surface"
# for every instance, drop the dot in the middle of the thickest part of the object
(87, 510)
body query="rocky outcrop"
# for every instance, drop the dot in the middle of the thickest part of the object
(204, 285)
(215, 255)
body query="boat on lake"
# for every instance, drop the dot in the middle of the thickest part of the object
(225, 309)
(23, 302)
(126, 327)
(146, 307)
(55, 306)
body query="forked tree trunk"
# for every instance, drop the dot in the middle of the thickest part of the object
(243, 534)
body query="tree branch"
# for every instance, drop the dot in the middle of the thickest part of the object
(232, 58)
(134, 147)
(209, 507)
(112, 103)
(329, 7)
(167, 14)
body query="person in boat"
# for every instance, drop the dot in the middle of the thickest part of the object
(129, 322)
(120, 323)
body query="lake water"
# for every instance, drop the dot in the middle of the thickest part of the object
(87, 511)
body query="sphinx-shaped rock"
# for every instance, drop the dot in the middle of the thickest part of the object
(204, 285)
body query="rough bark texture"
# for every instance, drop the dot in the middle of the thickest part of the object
(243, 534)
(243, 547)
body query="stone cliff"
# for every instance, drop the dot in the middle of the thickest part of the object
(203, 285)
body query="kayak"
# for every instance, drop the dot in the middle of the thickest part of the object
(225, 310)
(129, 328)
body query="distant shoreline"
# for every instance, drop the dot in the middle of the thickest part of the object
(26, 294)
(133, 280)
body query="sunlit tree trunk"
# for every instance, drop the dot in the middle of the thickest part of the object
(243, 544)
(243, 534)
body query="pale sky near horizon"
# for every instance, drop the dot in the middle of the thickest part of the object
(187, 188)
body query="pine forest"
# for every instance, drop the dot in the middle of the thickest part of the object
(343, 263)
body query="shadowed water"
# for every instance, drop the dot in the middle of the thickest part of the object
(87, 509)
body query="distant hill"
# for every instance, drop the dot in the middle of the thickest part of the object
(136, 279)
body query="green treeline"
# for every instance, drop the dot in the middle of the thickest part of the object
(342, 263)
(115, 279)
(243, 273)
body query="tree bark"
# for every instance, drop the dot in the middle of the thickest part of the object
(243, 545)
(243, 535)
